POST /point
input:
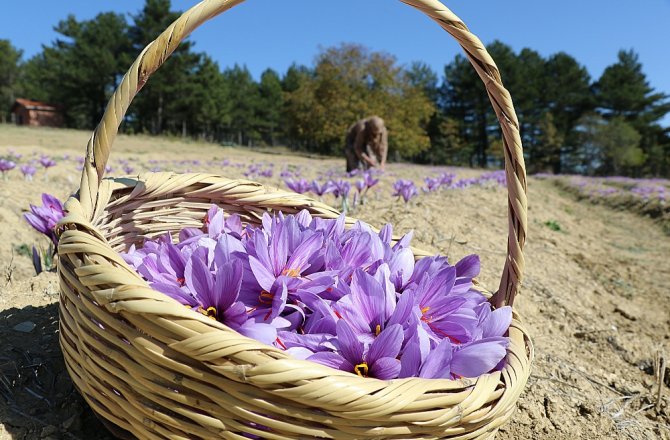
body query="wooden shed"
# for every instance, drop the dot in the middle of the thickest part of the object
(36, 113)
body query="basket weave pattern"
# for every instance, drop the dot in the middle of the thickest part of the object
(157, 370)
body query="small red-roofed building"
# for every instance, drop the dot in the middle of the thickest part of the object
(36, 113)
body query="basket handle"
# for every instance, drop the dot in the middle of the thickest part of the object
(155, 54)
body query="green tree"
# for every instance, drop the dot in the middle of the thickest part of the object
(271, 104)
(463, 98)
(620, 145)
(623, 91)
(244, 97)
(207, 108)
(608, 146)
(160, 107)
(349, 83)
(81, 68)
(550, 140)
(10, 62)
(568, 97)
(421, 76)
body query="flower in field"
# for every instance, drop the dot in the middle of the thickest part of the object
(13, 156)
(405, 189)
(360, 185)
(446, 179)
(379, 360)
(47, 162)
(28, 171)
(320, 190)
(341, 188)
(369, 179)
(6, 165)
(300, 186)
(44, 218)
(432, 184)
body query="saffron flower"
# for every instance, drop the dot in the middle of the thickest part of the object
(44, 218)
(28, 171)
(300, 186)
(47, 162)
(405, 189)
(6, 165)
(320, 190)
(379, 360)
(354, 300)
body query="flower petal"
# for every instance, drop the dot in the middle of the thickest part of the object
(332, 360)
(438, 362)
(478, 358)
(385, 368)
(387, 344)
(497, 323)
(348, 344)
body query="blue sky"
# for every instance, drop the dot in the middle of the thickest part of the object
(275, 33)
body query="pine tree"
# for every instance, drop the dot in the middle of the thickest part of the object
(10, 63)
(623, 91)
(271, 103)
(158, 108)
(568, 98)
(82, 67)
(244, 99)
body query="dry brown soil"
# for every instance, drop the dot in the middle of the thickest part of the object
(596, 295)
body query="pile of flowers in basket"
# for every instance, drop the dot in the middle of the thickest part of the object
(349, 299)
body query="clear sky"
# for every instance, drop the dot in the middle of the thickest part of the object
(275, 33)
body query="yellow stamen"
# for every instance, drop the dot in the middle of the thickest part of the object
(361, 369)
(291, 272)
(378, 330)
(265, 297)
(211, 312)
(425, 318)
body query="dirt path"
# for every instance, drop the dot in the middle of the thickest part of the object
(596, 296)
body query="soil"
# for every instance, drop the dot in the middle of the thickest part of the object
(595, 298)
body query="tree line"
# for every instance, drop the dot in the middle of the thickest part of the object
(570, 123)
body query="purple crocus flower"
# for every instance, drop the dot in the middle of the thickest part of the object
(44, 218)
(28, 171)
(448, 360)
(360, 185)
(341, 188)
(443, 314)
(300, 186)
(405, 189)
(6, 165)
(379, 360)
(371, 307)
(431, 184)
(320, 190)
(47, 162)
(218, 294)
(446, 179)
(369, 179)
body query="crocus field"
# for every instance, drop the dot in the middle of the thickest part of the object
(595, 297)
(649, 197)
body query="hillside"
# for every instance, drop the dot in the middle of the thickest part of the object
(596, 294)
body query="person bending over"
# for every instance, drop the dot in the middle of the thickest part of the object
(366, 144)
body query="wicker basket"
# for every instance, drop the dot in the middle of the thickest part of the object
(153, 369)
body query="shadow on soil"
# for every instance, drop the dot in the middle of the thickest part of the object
(37, 397)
